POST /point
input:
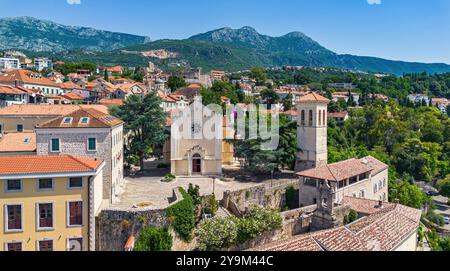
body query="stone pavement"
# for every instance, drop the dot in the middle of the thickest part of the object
(150, 191)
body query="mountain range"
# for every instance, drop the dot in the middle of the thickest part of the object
(27, 33)
(225, 48)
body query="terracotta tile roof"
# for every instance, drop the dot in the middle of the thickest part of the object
(195, 86)
(46, 109)
(5, 89)
(383, 230)
(313, 97)
(376, 165)
(340, 115)
(365, 206)
(111, 102)
(18, 142)
(69, 85)
(337, 171)
(25, 76)
(96, 119)
(72, 96)
(303, 242)
(38, 164)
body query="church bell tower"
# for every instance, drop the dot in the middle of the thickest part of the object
(312, 113)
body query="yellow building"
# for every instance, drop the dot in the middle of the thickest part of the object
(49, 203)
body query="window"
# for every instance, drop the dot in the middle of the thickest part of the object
(45, 184)
(375, 188)
(310, 117)
(67, 120)
(324, 116)
(13, 185)
(45, 216)
(1, 129)
(341, 184)
(55, 145)
(14, 217)
(92, 144)
(384, 182)
(380, 185)
(84, 120)
(353, 180)
(362, 177)
(19, 128)
(362, 194)
(76, 182)
(303, 117)
(46, 245)
(75, 213)
(14, 246)
(320, 117)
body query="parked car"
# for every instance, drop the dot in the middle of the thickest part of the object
(446, 220)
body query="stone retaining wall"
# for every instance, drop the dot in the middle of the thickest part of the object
(115, 226)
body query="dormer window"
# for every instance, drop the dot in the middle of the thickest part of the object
(67, 120)
(84, 120)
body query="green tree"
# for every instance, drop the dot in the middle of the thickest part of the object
(408, 194)
(145, 125)
(154, 239)
(259, 74)
(175, 83)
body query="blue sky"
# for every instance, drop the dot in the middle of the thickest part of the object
(410, 30)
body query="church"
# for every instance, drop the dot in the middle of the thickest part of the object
(197, 145)
(194, 153)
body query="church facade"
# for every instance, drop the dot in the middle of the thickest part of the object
(196, 146)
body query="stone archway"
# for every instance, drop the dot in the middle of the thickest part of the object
(196, 161)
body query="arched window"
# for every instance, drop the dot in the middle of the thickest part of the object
(320, 117)
(310, 118)
(303, 117)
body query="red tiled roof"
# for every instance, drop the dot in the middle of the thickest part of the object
(25, 76)
(18, 142)
(337, 171)
(4, 89)
(313, 97)
(336, 115)
(97, 119)
(383, 230)
(18, 165)
(46, 109)
(72, 96)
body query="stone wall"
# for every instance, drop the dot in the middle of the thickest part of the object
(272, 197)
(115, 226)
(295, 222)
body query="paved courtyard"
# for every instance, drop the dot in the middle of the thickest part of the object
(150, 191)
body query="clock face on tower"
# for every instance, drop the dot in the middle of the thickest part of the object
(196, 128)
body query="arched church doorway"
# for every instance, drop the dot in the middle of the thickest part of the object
(197, 164)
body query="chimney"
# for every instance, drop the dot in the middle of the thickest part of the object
(380, 204)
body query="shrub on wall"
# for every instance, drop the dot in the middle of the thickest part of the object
(213, 206)
(351, 217)
(221, 233)
(217, 233)
(182, 216)
(257, 221)
(154, 239)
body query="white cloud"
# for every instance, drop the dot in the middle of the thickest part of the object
(374, 2)
(73, 2)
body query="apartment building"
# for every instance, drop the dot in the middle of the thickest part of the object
(49, 203)
(91, 133)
